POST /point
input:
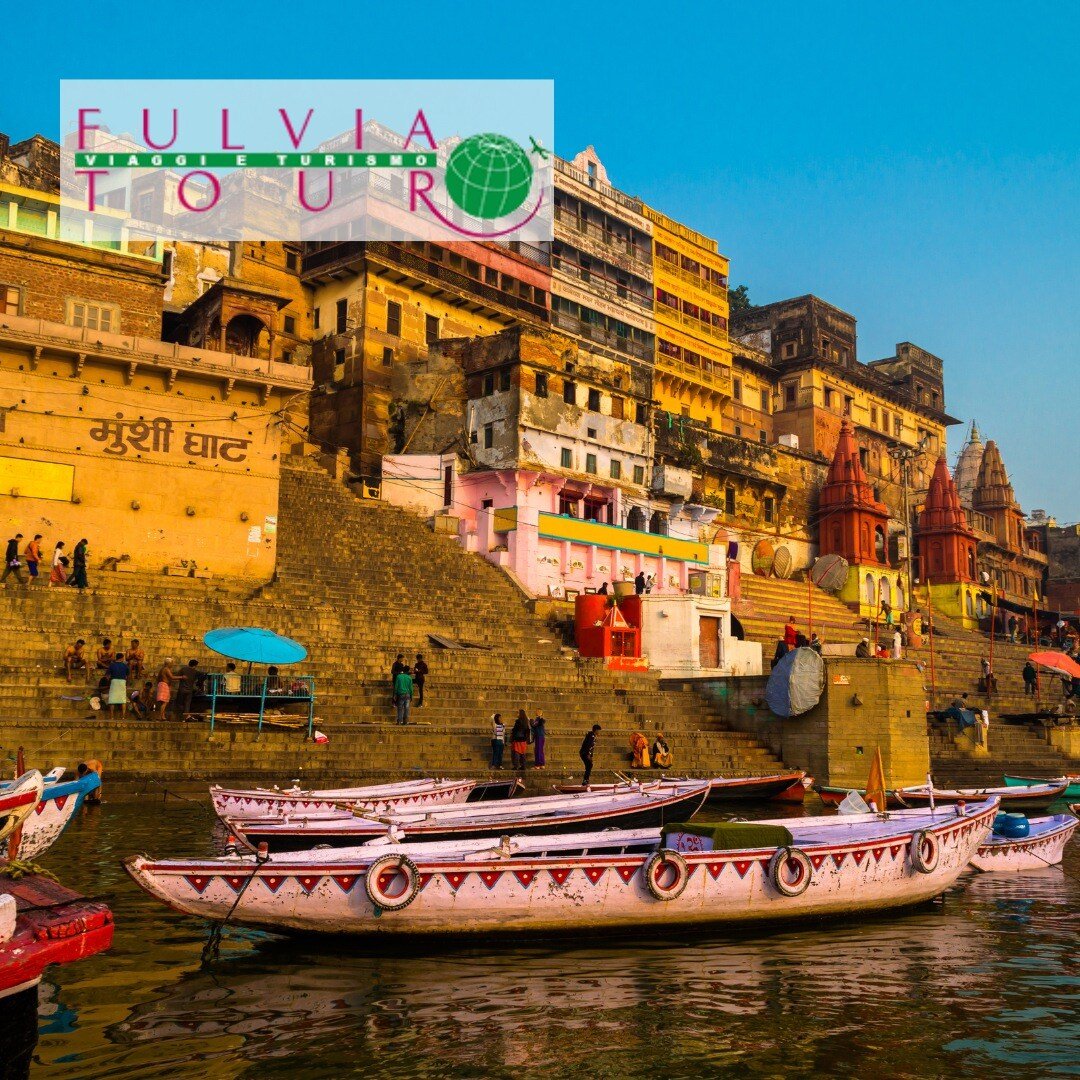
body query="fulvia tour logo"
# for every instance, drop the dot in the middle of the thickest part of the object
(329, 160)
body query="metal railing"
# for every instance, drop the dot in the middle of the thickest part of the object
(248, 695)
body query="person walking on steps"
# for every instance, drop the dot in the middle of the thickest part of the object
(498, 741)
(520, 736)
(587, 752)
(539, 736)
(403, 692)
(79, 559)
(1030, 675)
(12, 562)
(419, 674)
(33, 557)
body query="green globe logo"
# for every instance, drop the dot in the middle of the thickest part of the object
(488, 176)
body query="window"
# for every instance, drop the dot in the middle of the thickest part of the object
(789, 349)
(864, 457)
(729, 501)
(594, 400)
(590, 433)
(286, 357)
(292, 260)
(764, 399)
(387, 356)
(315, 319)
(770, 509)
(504, 379)
(617, 408)
(736, 390)
(10, 298)
(873, 416)
(393, 318)
(569, 392)
(763, 436)
(789, 393)
(595, 510)
(566, 458)
(105, 317)
(641, 413)
(489, 384)
(290, 324)
(568, 505)
(898, 426)
(339, 365)
(489, 436)
(639, 475)
(828, 397)
(342, 309)
(738, 431)
(431, 329)
(849, 401)
(541, 384)
(616, 469)
(590, 463)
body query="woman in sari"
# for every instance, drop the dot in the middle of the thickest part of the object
(639, 746)
(59, 565)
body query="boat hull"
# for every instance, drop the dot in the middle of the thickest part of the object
(834, 796)
(1012, 799)
(377, 800)
(635, 814)
(55, 811)
(566, 894)
(1044, 846)
(1071, 792)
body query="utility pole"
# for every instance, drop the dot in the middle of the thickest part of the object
(904, 456)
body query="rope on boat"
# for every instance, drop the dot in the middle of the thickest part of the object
(18, 868)
(212, 948)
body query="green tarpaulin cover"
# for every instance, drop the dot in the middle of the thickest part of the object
(734, 835)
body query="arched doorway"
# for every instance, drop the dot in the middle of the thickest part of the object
(885, 592)
(636, 519)
(247, 336)
(871, 589)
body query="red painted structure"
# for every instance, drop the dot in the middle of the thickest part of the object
(608, 630)
(851, 522)
(946, 541)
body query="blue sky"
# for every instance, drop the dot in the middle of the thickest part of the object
(916, 165)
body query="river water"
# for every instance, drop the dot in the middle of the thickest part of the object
(985, 980)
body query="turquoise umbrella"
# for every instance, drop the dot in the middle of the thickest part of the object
(255, 645)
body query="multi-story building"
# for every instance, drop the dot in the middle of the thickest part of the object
(692, 377)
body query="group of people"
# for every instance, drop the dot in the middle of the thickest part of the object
(65, 570)
(523, 733)
(407, 681)
(794, 638)
(639, 750)
(121, 685)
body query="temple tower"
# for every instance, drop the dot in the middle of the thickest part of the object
(947, 549)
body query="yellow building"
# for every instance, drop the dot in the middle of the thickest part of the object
(693, 376)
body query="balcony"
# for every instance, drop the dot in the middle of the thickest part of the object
(695, 280)
(602, 286)
(716, 378)
(604, 245)
(626, 201)
(440, 278)
(601, 336)
(616, 538)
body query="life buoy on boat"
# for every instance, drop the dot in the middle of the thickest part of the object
(378, 891)
(925, 852)
(661, 864)
(790, 871)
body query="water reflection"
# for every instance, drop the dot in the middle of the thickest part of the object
(986, 977)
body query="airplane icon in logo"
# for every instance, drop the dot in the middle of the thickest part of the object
(538, 148)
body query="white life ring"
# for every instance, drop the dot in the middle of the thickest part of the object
(790, 871)
(655, 868)
(924, 851)
(381, 897)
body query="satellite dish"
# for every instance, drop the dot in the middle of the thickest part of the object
(781, 566)
(796, 683)
(761, 561)
(830, 572)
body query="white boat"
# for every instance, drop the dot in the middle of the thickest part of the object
(1043, 846)
(1024, 799)
(627, 808)
(17, 802)
(611, 880)
(56, 809)
(376, 798)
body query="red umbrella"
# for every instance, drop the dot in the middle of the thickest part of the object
(1058, 662)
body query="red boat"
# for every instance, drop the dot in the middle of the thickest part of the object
(745, 788)
(43, 923)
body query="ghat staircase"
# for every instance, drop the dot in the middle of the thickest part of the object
(358, 581)
(1018, 748)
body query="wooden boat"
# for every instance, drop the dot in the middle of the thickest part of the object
(43, 923)
(530, 816)
(53, 776)
(796, 793)
(611, 880)
(17, 801)
(600, 789)
(376, 798)
(745, 788)
(834, 796)
(1071, 792)
(55, 810)
(1032, 797)
(1043, 846)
